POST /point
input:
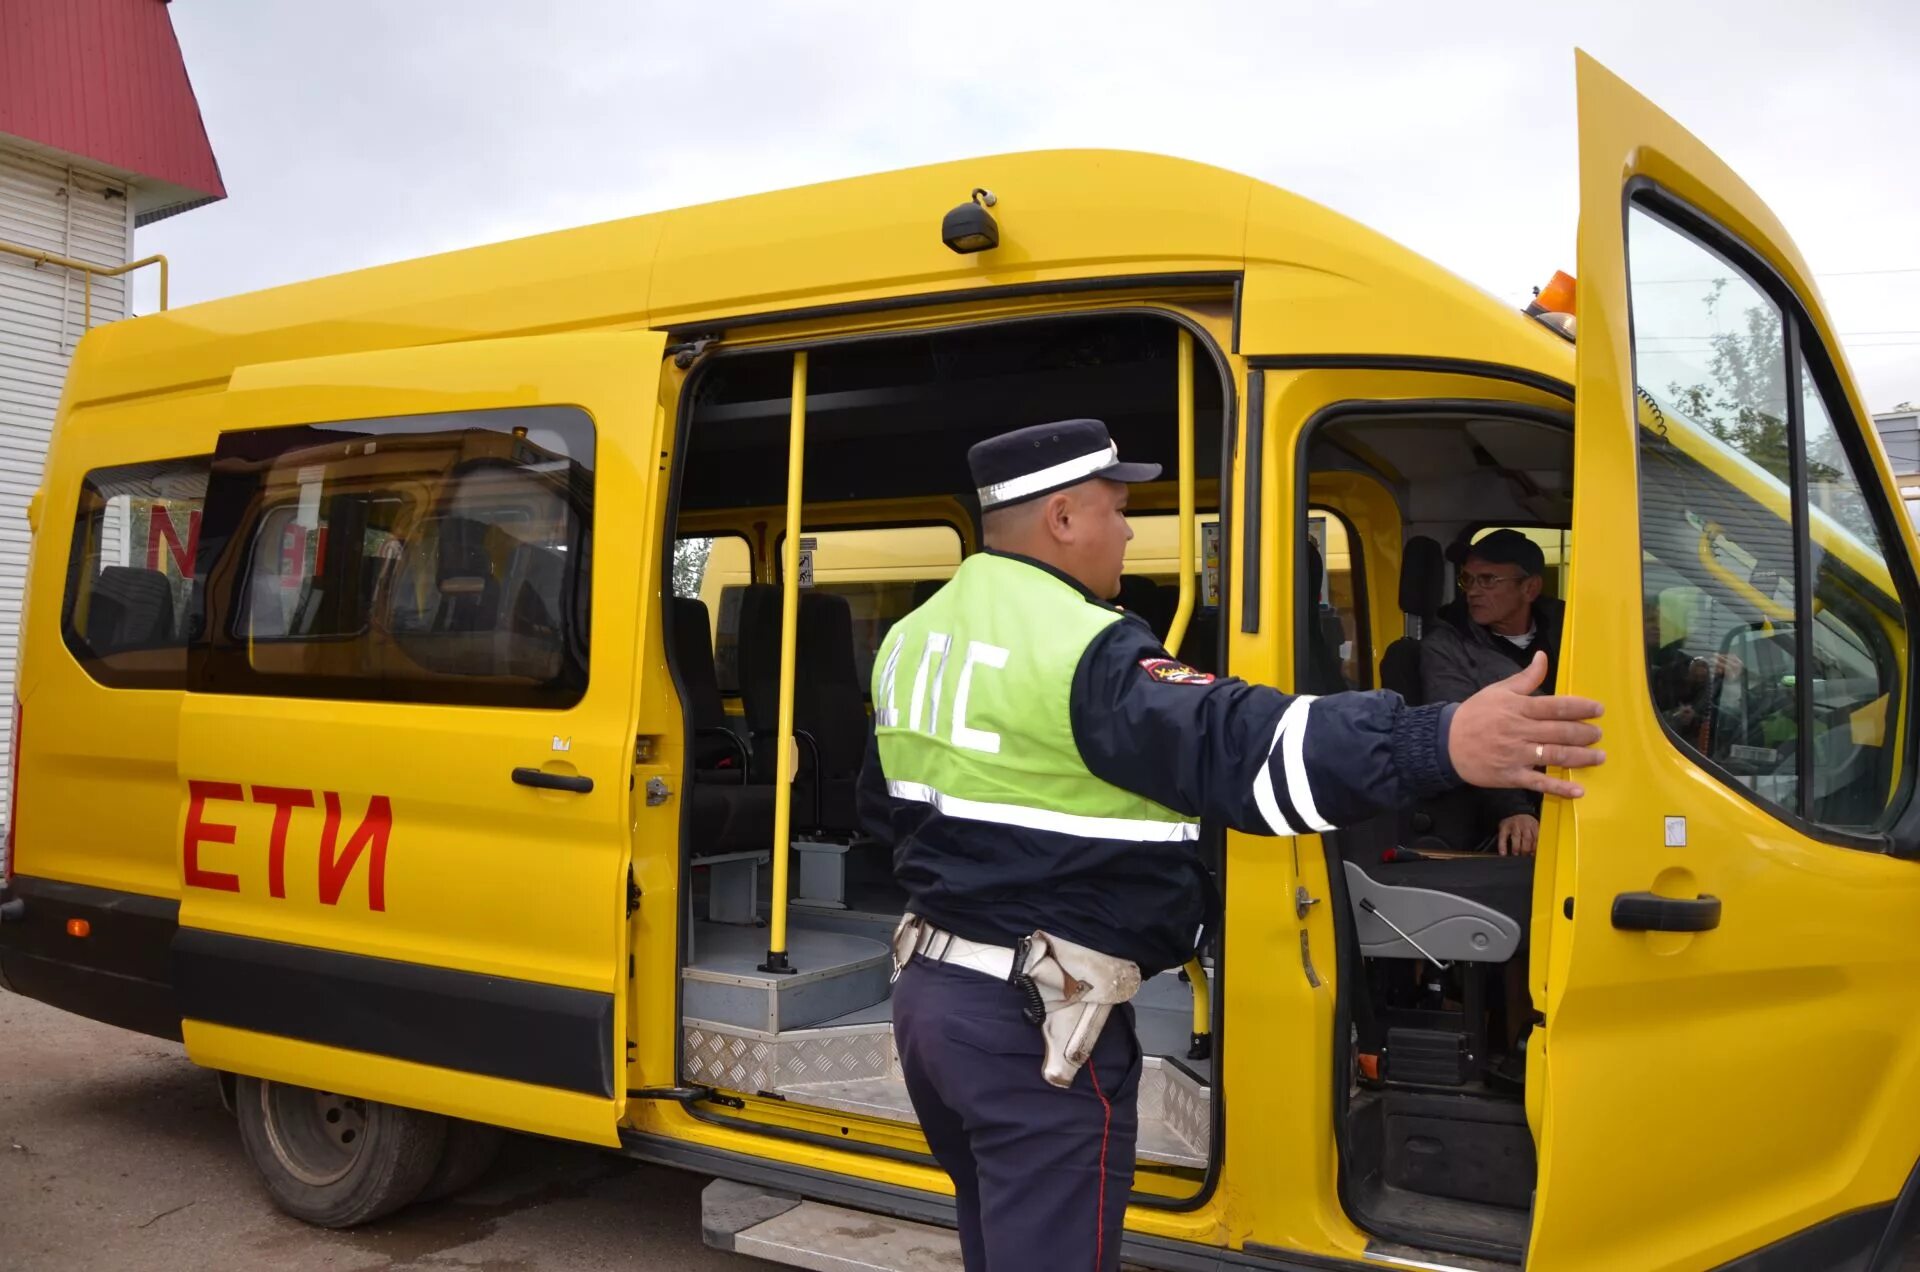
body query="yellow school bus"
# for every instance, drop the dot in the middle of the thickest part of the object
(442, 687)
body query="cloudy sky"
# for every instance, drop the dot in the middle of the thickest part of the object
(361, 131)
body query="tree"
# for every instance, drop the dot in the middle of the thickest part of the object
(690, 565)
(1745, 407)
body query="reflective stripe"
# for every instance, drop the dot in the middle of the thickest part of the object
(1293, 742)
(1127, 828)
(1263, 795)
(1289, 739)
(1060, 474)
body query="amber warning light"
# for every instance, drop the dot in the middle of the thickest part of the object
(1553, 304)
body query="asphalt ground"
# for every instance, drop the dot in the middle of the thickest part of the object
(116, 1153)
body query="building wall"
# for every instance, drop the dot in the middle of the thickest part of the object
(52, 208)
(1900, 433)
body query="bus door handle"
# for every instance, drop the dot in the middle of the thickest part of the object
(1649, 912)
(552, 781)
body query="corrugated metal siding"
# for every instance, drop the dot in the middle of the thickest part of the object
(42, 315)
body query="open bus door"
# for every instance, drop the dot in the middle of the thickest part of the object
(1731, 981)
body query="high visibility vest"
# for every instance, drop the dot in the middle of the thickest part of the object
(971, 708)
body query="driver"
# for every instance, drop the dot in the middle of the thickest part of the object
(1505, 621)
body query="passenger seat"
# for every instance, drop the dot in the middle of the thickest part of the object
(731, 820)
(1141, 595)
(828, 702)
(131, 608)
(1423, 570)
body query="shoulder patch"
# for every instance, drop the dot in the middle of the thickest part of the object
(1174, 673)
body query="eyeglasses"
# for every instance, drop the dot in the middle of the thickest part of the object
(1486, 582)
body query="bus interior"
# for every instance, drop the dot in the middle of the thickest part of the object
(1434, 1142)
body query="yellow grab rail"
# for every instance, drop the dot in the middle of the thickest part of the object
(1183, 613)
(1202, 1042)
(777, 960)
(87, 270)
(1766, 605)
(1177, 634)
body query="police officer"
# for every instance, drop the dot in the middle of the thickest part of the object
(1040, 764)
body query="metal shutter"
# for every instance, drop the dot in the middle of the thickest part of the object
(73, 214)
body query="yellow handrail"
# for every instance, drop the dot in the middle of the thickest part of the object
(777, 960)
(1202, 1043)
(1177, 634)
(1771, 608)
(88, 270)
(1183, 613)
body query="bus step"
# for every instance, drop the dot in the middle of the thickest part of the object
(810, 1234)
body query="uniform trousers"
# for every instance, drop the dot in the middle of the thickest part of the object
(1040, 1173)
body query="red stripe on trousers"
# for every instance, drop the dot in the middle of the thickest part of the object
(1106, 1131)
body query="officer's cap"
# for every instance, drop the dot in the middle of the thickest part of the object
(1029, 462)
(1506, 547)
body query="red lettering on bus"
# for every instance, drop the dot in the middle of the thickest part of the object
(336, 869)
(284, 801)
(199, 831)
(160, 528)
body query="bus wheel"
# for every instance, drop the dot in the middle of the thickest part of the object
(334, 1160)
(471, 1148)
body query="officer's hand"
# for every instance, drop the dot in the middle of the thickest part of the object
(1519, 835)
(1502, 735)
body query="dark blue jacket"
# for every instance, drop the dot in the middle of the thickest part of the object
(1198, 744)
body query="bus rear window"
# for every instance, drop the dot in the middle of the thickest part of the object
(132, 589)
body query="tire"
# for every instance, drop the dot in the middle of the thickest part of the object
(471, 1149)
(332, 1160)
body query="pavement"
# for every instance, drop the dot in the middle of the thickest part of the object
(115, 1153)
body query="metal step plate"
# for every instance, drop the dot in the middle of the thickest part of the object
(810, 1234)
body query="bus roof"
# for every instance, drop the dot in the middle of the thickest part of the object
(1064, 217)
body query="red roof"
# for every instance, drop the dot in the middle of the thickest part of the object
(103, 80)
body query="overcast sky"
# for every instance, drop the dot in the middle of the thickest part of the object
(356, 132)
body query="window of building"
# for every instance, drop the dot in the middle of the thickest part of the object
(439, 558)
(131, 583)
(1775, 641)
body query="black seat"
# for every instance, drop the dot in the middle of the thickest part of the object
(530, 642)
(469, 592)
(728, 814)
(1201, 648)
(829, 706)
(1141, 595)
(1423, 571)
(718, 752)
(828, 702)
(758, 651)
(131, 608)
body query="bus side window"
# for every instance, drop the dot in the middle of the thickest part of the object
(883, 574)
